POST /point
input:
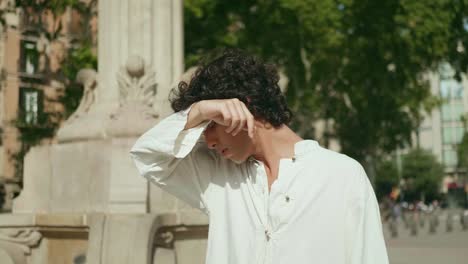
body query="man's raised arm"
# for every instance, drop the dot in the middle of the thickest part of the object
(172, 156)
(168, 155)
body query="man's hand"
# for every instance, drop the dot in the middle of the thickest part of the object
(231, 113)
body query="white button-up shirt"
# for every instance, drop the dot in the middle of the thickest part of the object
(320, 209)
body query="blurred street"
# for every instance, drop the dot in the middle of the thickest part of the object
(441, 246)
(447, 248)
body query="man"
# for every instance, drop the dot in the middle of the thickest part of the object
(271, 196)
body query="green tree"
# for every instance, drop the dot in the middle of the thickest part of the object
(388, 178)
(422, 174)
(462, 152)
(358, 63)
(458, 40)
(80, 56)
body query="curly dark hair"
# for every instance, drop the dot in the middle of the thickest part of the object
(236, 74)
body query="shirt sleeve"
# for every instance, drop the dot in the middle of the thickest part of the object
(365, 240)
(177, 160)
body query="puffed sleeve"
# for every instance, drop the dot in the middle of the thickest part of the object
(177, 160)
(364, 237)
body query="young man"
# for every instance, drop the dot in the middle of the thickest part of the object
(271, 196)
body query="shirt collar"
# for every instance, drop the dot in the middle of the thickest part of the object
(301, 148)
(305, 146)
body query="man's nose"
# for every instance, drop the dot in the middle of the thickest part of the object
(211, 145)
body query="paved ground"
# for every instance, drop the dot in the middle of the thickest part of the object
(425, 248)
(446, 248)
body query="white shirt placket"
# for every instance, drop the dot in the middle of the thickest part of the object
(270, 230)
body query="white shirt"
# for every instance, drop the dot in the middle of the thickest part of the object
(321, 208)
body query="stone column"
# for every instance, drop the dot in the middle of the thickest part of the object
(150, 29)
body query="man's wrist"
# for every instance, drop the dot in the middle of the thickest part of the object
(194, 116)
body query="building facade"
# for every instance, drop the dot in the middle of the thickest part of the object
(34, 46)
(442, 130)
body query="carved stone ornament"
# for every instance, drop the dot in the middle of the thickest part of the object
(79, 125)
(86, 77)
(133, 116)
(136, 82)
(23, 239)
(137, 90)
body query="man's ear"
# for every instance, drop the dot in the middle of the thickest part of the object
(260, 123)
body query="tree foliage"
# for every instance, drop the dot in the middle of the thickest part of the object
(462, 152)
(360, 63)
(422, 174)
(78, 58)
(388, 178)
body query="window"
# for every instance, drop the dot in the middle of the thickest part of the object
(444, 89)
(459, 132)
(450, 157)
(452, 135)
(451, 89)
(452, 111)
(457, 111)
(457, 90)
(29, 57)
(448, 135)
(30, 105)
(446, 112)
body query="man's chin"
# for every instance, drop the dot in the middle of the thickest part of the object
(237, 161)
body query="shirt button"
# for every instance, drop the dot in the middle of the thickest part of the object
(287, 198)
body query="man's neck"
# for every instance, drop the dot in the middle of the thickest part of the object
(273, 144)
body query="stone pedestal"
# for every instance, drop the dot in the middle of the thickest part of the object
(43, 238)
(92, 176)
(146, 238)
(122, 238)
(102, 238)
(83, 200)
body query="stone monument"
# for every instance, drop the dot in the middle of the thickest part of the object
(83, 200)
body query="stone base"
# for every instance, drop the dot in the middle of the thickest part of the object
(43, 239)
(100, 238)
(121, 239)
(91, 176)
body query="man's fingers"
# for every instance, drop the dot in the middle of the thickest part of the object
(234, 117)
(243, 117)
(250, 120)
(225, 116)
